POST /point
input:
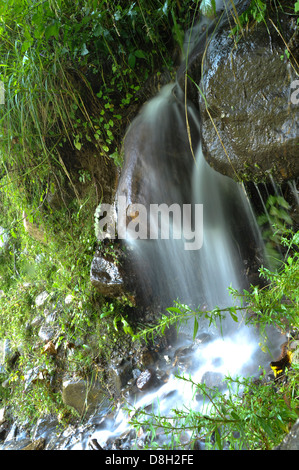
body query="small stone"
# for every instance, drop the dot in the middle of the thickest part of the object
(39, 444)
(212, 379)
(41, 299)
(2, 416)
(46, 333)
(145, 380)
(69, 299)
(37, 321)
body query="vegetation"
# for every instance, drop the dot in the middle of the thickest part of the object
(74, 75)
(242, 413)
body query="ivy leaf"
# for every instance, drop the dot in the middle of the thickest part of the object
(78, 145)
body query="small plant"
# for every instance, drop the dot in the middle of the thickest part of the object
(250, 414)
(273, 223)
(247, 416)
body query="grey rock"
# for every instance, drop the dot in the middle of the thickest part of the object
(47, 332)
(145, 380)
(37, 321)
(41, 299)
(105, 276)
(247, 87)
(82, 395)
(16, 445)
(291, 441)
(120, 374)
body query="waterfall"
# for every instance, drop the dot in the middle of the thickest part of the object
(204, 253)
(176, 173)
(205, 245)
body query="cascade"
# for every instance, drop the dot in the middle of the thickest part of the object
(191, 234)
(199, 276)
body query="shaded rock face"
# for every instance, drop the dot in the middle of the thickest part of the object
(105, 276)
(152, 143)
(159, 154)
(248, 89)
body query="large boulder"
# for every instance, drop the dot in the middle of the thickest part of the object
(250, 119)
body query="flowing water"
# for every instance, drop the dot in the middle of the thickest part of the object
(177, 173)
(207, 245)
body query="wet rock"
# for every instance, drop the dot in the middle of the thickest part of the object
(248, 89)
(36, 445)
(147, 357)
(16, 445)
(94, 445)
(81, 395)
(212, 379)
(45, 428)
(145, 380)
(120, 373)
(2, 416)
(105, 276)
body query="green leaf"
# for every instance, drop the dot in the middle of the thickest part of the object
(233, 314)
(195, 328)
(140, 54)
(174, 309)
(78, 145)
(218, 439)
(26, 44)
(52, 30)
(131, 60)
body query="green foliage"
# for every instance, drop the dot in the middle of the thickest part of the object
(273, 223)
(182, 314)
(248, 416)
(258, 12)
(208, 7)
(278, 303)
(71, 70)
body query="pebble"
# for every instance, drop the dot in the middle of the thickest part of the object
(145, 380)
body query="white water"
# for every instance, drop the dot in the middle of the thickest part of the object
(200, 277)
